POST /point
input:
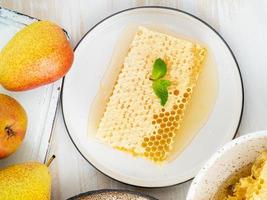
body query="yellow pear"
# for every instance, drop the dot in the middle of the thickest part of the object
(13, 125)
(37, 55)
(26, 181)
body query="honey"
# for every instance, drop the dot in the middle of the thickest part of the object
(170, 137)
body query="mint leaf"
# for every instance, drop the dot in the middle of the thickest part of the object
(159, 69)
(160, 87)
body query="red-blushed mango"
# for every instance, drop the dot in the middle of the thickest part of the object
(13, 125)
(37, 55)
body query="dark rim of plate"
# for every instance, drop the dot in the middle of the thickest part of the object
(108, 191)
(159, 7)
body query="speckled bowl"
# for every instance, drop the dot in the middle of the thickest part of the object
(224, 162)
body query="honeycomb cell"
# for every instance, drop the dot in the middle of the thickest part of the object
(176, 92)
(181, 106)
(160, 148)
(154, 148)
(160, 131)
(166, 130)
(158, 137)
(175, 124)
(163, 125)
(186, 95)
(162, 141)
(167, 113)
(157, 154)
(165, 136)
(159, 121)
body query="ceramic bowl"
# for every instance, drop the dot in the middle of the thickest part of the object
(231, 157)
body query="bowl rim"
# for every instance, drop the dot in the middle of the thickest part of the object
(221, 151)
(108, 191)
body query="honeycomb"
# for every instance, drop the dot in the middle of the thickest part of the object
(134, 121)
(254, 186)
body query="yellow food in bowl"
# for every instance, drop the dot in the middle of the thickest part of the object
(252, 187)
(134, 120)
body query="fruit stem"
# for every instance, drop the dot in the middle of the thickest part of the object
(151, 79)
(50, 160)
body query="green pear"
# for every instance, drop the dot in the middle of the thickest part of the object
(26, 181)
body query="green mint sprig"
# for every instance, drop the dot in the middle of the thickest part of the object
(159, 69)
(160, 86)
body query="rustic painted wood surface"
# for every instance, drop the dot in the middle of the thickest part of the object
(241, 22)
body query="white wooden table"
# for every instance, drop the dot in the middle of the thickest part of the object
(241, 22)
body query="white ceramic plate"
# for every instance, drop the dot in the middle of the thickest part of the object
(92, 57)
